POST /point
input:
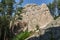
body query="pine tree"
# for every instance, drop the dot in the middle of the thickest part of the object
(6, 12)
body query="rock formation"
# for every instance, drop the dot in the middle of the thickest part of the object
(37, 19)
(54, 23)
(35, 15)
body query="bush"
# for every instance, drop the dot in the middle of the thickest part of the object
(22, 36)
(56, 17)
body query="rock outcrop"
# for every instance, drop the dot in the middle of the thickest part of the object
(54, 23)
(37, 19)
(36, 16)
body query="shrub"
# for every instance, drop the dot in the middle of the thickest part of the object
(22, 36)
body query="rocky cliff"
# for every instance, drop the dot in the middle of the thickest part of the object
(37, 19)
(36, 16)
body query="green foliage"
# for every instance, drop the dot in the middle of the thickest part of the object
(19, 9)
(4, 26)
(6, 12)
(4, 21)
(56, 17)
(22, 36)
(51, 7)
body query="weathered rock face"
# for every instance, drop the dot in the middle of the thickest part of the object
(18, 26)
(35, 16)
(54, 23)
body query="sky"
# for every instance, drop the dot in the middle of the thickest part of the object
(38, 2)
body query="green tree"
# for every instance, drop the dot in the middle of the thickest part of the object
(6, 15)
(51, 5)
